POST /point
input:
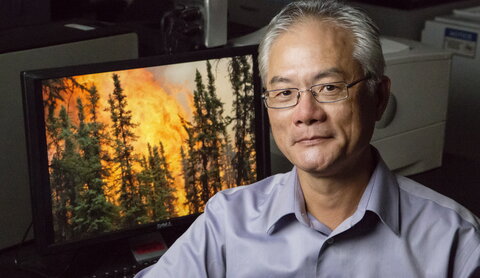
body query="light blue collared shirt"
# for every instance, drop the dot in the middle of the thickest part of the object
(400, 229)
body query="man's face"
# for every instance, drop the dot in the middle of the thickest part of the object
(323, 139)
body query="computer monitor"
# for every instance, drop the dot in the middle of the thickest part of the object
(118, 149)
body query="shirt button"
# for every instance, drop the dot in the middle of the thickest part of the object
(330, 241)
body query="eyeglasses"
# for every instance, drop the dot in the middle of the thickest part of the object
(323, 93)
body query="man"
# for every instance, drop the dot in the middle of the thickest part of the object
(340, 212)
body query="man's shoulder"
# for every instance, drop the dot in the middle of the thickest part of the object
(435, 205)
(252, 194)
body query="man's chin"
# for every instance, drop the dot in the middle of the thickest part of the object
(315, 168)
(317, 163)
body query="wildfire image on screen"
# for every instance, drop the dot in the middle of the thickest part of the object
(137, 146)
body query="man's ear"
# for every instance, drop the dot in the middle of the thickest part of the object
(382, 94)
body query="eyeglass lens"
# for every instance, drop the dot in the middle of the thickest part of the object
(330, 92)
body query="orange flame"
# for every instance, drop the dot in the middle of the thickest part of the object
(157, 101)
(156, 112)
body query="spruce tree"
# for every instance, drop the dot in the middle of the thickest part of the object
(123, 157)
(55, 92)
(92, 213)
(64, 177)
(63, 154)
(241, 80)
(190, 164)
(145, 191)
(157, 184)
(248, 119)
(201, 137)
(168, 189)
(208, 130)
(216, 131)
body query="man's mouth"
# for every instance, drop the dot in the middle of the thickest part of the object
(312, 140)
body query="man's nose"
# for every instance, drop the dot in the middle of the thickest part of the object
(308, 110)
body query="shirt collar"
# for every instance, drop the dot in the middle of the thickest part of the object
(381, 196)
(282, 201)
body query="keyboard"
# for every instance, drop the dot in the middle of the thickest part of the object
(121, 271)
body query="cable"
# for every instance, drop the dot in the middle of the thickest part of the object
(17, 264)
(15, 258)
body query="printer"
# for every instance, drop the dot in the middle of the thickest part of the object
(459, 32)
(410, 136)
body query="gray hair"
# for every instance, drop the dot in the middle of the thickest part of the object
(367, 49)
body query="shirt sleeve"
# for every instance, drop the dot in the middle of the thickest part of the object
(471, 269)
(471, 266)
(199, 252)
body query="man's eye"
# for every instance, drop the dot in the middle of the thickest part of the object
(283, 94)
(330, 89)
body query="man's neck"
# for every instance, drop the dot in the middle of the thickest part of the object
(333, 199)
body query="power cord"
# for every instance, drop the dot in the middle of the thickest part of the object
(19, 247)
(17, 269)
(19, 266)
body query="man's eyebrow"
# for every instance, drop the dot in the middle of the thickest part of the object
(328, 73)
(325, 73)
(278, 79)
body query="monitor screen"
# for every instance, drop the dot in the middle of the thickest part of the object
(119, 147)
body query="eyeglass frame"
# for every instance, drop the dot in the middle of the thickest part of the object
(347, 86)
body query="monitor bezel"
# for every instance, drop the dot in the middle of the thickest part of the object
(37, 149)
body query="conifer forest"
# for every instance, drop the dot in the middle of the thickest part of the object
(134, 147)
